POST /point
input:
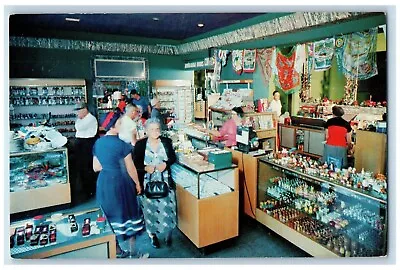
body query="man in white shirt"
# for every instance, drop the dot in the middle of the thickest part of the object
(275, 105)
(128, 128)
(86, 130)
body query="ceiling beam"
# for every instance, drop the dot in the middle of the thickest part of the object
(312, 34)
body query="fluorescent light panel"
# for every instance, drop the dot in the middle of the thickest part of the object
(72, 19)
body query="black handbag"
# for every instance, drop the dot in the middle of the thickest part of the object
(156, 189)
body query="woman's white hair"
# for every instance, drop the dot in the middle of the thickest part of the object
(151, 121)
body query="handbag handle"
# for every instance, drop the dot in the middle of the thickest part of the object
(162, 177)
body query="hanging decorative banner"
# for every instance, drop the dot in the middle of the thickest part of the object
(222, 56)
(305, 93)
(339, 42)
(264, 58)
(300, 57)
(323, 54)
(287, 79)
(359, 54)
(237, 61)
(249, 61)
(310, 56)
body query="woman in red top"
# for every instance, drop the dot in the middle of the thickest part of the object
(338, 137)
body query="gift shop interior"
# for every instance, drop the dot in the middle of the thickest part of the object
(278, 122)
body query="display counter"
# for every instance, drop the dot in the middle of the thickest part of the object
(323, 217)
(55, 239)
(35, 178)
(207, 202)
(248, 174)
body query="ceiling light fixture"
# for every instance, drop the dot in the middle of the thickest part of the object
(72, 19)
(200, 25)
(155, 19)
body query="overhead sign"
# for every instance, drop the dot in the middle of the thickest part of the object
(207, 62)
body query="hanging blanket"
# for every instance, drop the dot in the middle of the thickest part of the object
(237, 61)
(249, 60)
(323, 54)
(222, 56)
(287, 79)
(359, 54)
(264, 57)
(339, 42)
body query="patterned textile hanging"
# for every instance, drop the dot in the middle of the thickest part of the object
(339, 42)
(359, 54)
(249, 61)
(264, 57)
(287, 79)
(323, 54)
(305, 93)
(222, 56)
(237, 61)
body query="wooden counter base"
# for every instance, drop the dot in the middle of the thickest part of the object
(210, 220)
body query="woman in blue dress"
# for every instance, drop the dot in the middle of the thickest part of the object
(117, 185)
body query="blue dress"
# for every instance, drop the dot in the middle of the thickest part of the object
(116, 191)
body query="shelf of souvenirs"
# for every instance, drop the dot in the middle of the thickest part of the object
(344, 237)
(325, 108)
(17, 91)
(362, 183)
(41, 116)
(46, 101)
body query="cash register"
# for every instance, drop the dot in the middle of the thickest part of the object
(246, 139)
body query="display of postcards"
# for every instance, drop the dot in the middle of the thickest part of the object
(52, 227)
(28, 231)
(53, 236)
(12, 240)
(38, 229)
(86, 227)
(20, 232)
(86, 221)
(34, 239)
(71, 218)
(44, 239)
(74, 227)
(45, 229)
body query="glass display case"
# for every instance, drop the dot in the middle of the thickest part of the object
(207, 202)
(78, 235)
(35, 178)
(323, 217)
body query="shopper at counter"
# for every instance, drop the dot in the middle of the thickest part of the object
(116, 189)
(143, 102)
(275, 105)
(128, 130)
(86, 134)
(227, 132)
(153, 157)
(155, 112)
(338, 138)
(140, 121)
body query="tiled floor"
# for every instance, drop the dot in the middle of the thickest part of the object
(254, 241)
